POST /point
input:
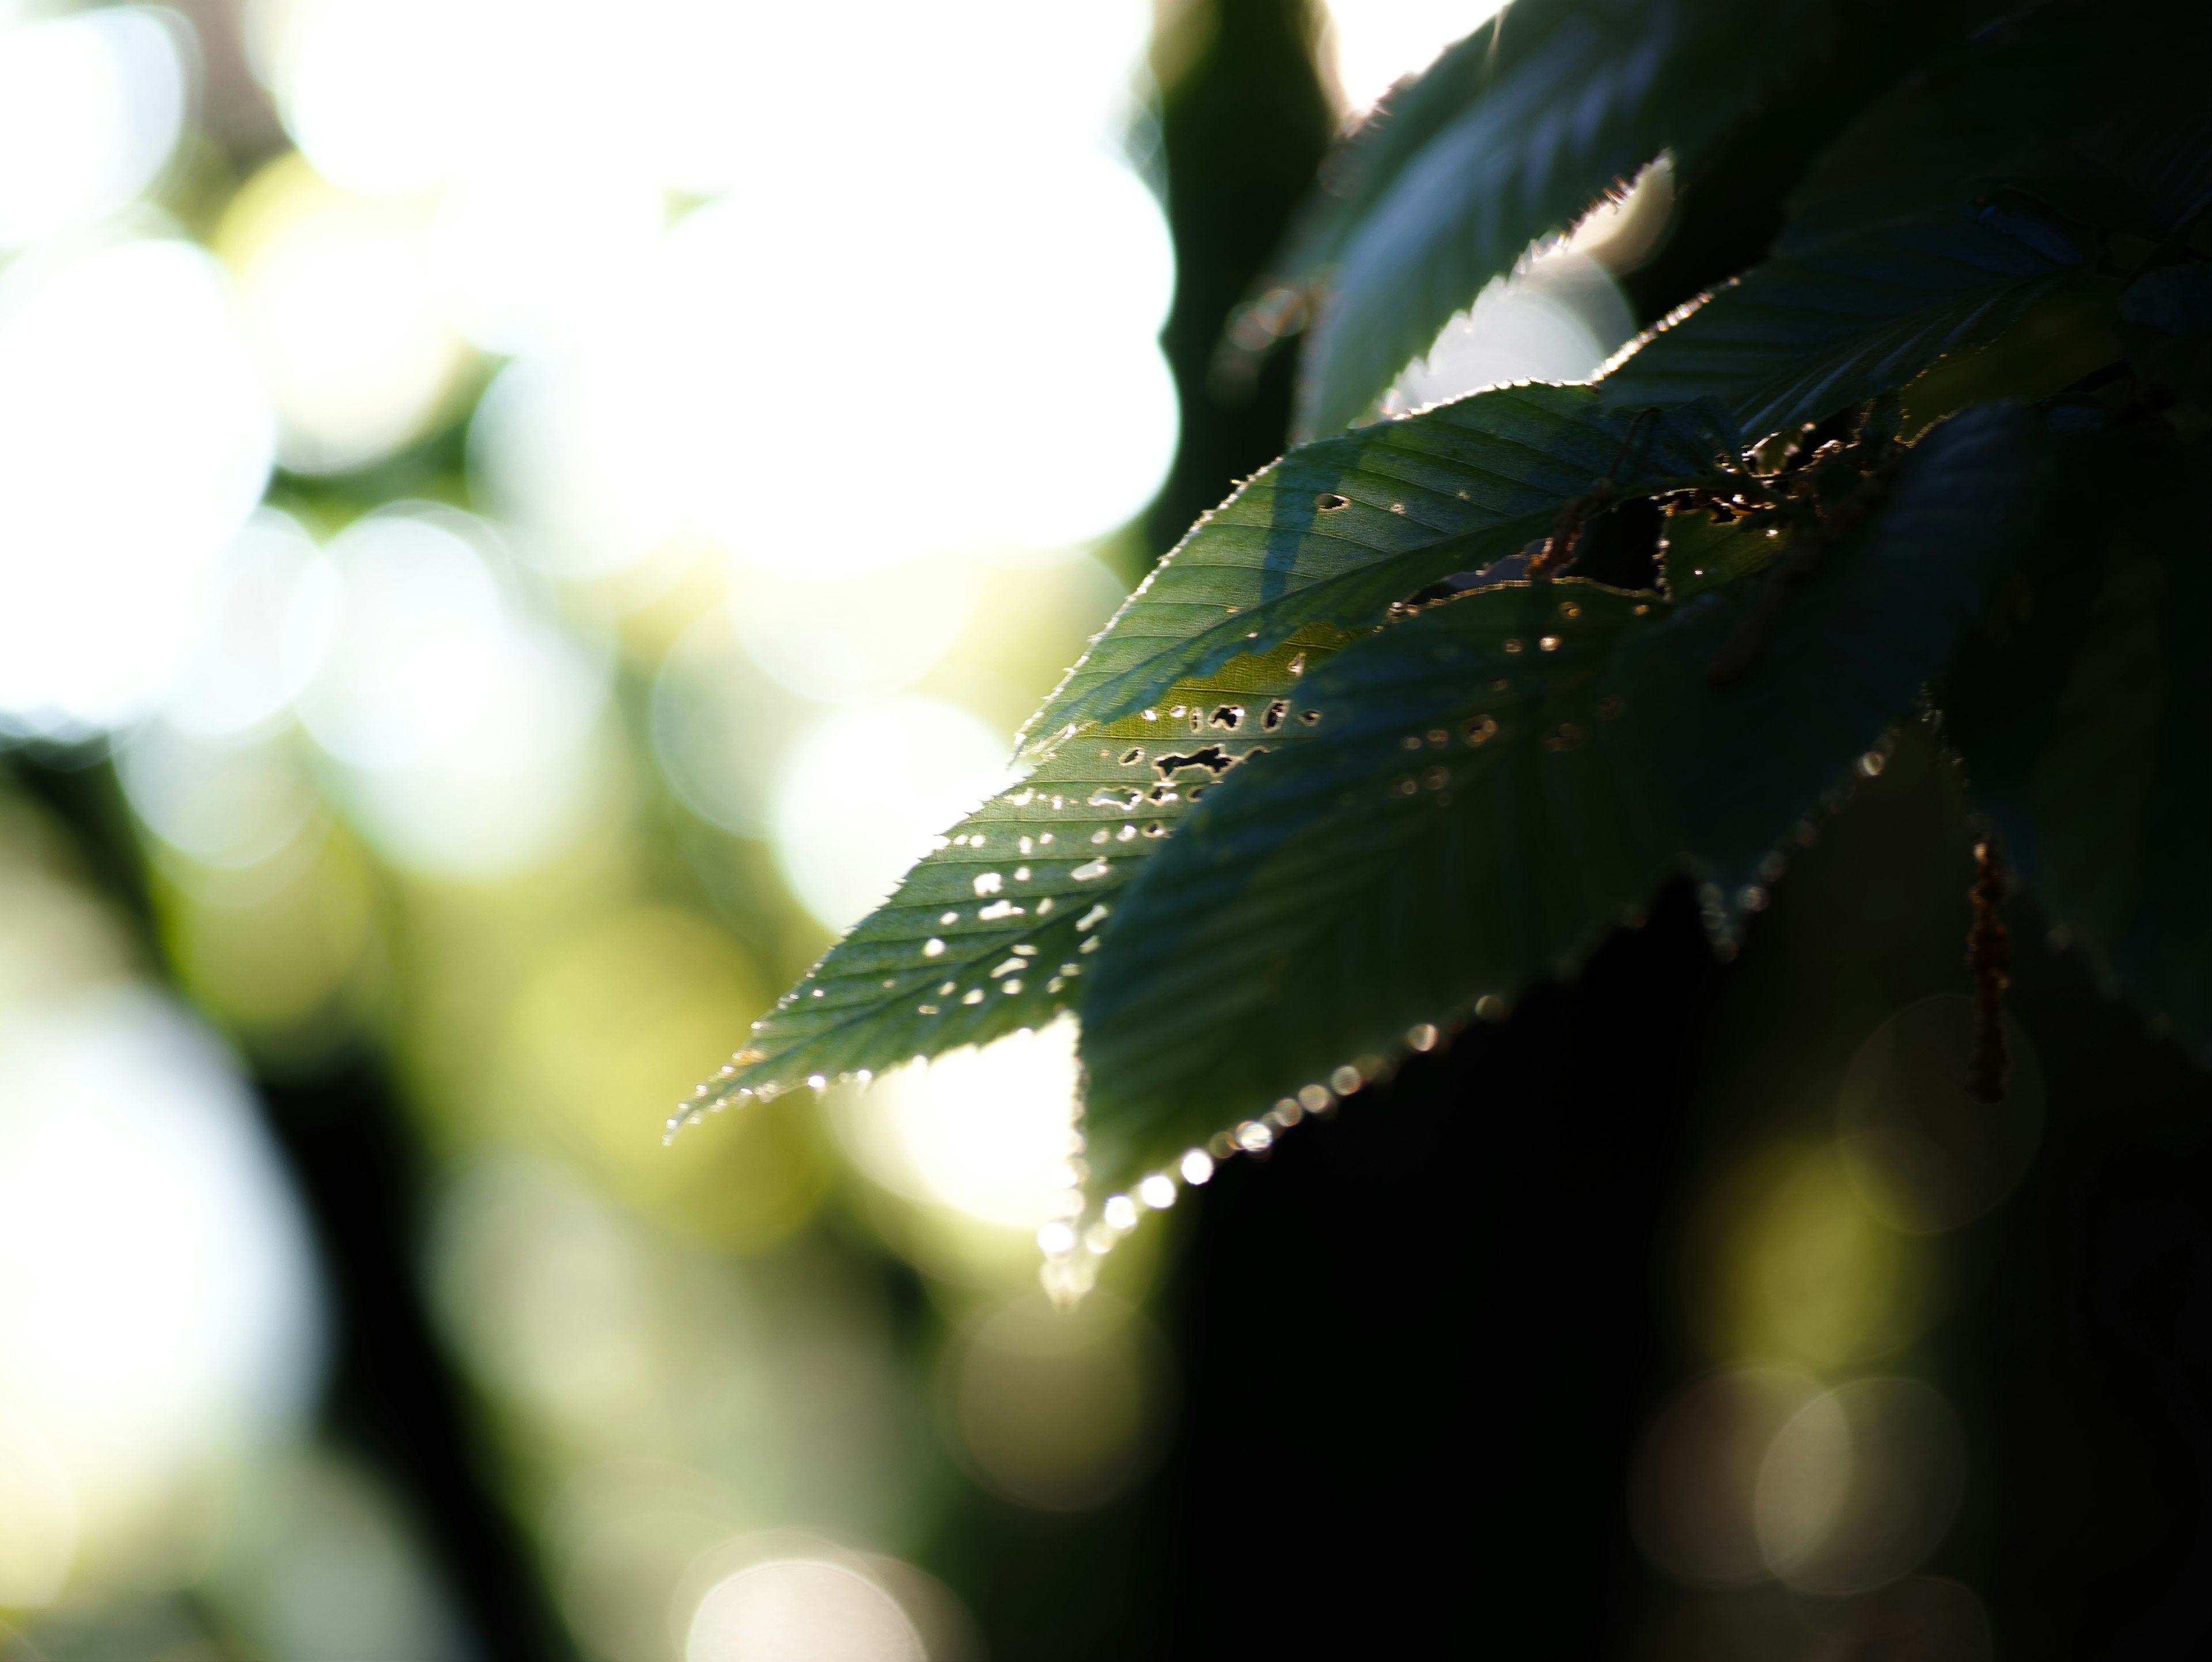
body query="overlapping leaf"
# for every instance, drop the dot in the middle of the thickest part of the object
(2083, 719)
(1814, 333)
(1312, 551)
(1575, 98)
(1494, 781)
(2166, 316)
(1337, 530)
(990, 932)
(2097, 110)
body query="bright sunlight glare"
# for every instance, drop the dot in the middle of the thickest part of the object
(90, 107)
(157, 1301)
(1375, 43)
(134, 440)
(866, 791)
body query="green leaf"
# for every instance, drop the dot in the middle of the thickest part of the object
(2097, 111)
(2082, 720)
(1494, 782)
(1806, 335)
(1577, 99)
(1338, 531)
(987, 933)
(1698, 552)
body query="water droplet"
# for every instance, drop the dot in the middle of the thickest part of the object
(1120, 1212)
(1549, 643)
(1344, 1080)
(1480, 730)
(1158, 1191)
(948, 989)
(933, 947)
(1089, 869)
(1055, 1238)
(1196, 1166)
(1298, 665)
(1007, 968)
(1569, 609)
(1411, 741)
(1027, 846)
(1149, 715)
(1751, 898)
(1021, 873)
(1090, 946)
(1044, 905)
(817, 1082)
(949, 917)
(997, 910)
(1422, 1037)
(1314, 1097)
(1099, 836)
(1436, 778)
(1255, 1138)
(817, 993)
(925, 1010)
(1014, 985)
(1055, 983)
(1179, 711)
(1125, 833)
(1513, 646)
(988, 883)
(973, 995)
(1872, 762)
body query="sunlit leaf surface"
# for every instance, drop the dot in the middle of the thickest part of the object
(994, 930)
(1494, 782)
(1337, 530)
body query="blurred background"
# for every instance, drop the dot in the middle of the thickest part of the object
(517, 521)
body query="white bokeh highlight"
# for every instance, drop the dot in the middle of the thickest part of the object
(135, 438)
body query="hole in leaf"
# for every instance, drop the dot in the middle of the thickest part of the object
(1330, 503)
(1215, 760)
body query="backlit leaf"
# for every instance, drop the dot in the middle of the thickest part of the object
(991, 932)
(1803, 337)
(1337, 530)
(1577, 99)
(1493, 783)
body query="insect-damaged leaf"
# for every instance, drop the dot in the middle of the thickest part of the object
(1493, 781)
(2082, 715)
(1337, 531)
(993, 931)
